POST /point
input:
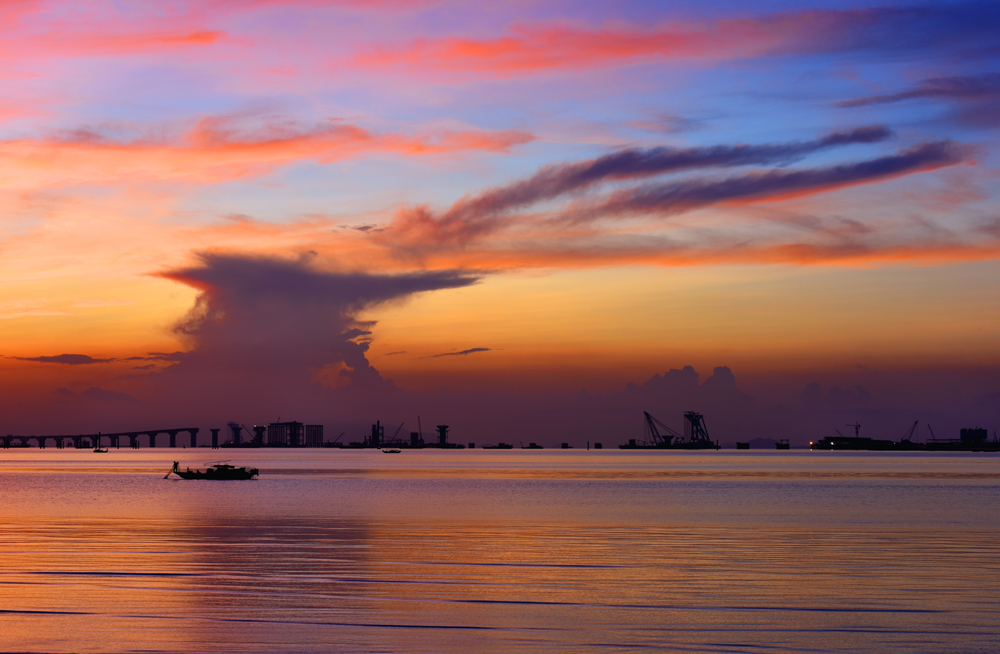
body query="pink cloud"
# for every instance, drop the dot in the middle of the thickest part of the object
(529, 48)
(38, 30)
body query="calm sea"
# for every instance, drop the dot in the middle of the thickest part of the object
(500, 551)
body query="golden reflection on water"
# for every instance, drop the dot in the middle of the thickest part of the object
(473, 555)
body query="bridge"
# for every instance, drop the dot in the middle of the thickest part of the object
(93, 440)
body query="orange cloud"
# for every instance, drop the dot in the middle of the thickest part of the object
(548, 245)
(218, 149)
(659, 252)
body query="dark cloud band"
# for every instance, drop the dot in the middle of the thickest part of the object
(554, 181)
(67, 359)
(965, 88)
(688, 195)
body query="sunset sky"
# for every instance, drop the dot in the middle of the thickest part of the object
(516, 218)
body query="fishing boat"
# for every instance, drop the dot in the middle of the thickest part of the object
(391, 451)
(219, 470)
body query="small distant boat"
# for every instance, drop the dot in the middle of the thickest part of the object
(391, 451)
(100, 450)
(220, 471)
(499, 446)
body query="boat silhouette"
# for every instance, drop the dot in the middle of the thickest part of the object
(219, 471)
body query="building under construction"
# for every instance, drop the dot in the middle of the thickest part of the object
(275, 434)
(658, 436)
(378, 439)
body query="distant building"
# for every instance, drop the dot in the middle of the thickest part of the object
(314, 435)
(285, 434)
(974, 436)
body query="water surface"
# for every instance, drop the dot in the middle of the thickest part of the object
(500, 551)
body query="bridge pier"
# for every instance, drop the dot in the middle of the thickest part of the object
(83, 441)
(215, 438)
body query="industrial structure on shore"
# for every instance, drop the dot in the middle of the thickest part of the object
(656, 436)
(416, 441)
(969, 440)
(275, 434)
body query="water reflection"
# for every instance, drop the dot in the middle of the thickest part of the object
(311, 560)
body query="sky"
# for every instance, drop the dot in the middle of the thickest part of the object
(528, 220)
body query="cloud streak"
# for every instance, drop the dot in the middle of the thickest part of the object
(966, 88)
(635, 163)
(771, 186)
(66, 359)
(977, 98)
(472, 350)
(532, 48)
(221, 148)
(487, 216)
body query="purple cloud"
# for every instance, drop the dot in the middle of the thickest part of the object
(471, 350)
(66, 359)
(104, 395)
(966, 88)
(269, 333)
(560, 179)
(677, 197)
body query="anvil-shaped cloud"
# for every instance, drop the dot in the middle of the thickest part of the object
(264, 329)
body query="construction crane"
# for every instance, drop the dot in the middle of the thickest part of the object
(857, 429)
(651, 431)
(699, 434)
(911, 434)
(393, 439)
(236, 432)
